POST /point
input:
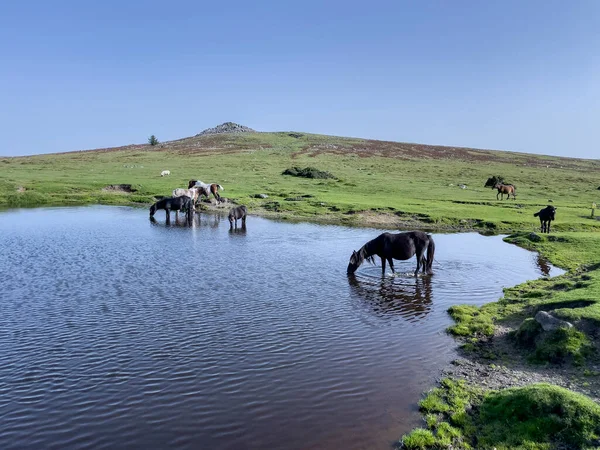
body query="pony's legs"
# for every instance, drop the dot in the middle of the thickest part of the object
(421, 260)
(382, 266)
(391, 262)
(548, 229)
(497, 194)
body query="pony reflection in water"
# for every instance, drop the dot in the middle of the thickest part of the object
(389, 298)
(400, 246)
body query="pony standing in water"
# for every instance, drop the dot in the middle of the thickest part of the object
(207, 189)
(236, 213)
(400, 246)
(182, 203)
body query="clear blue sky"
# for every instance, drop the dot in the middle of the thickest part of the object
(513, 75)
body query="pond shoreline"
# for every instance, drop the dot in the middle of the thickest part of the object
(494, 362)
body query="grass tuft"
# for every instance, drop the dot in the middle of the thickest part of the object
(470, 321)
(541, 414)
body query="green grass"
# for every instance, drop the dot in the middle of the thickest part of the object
(401, 182)
(418, 439)
(539, 416)
(562, 344)
(470, 321)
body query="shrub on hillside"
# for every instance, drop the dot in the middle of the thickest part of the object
(491, 182)
(307, 172)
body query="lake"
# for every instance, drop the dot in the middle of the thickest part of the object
(119, 332)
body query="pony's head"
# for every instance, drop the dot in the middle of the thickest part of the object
(551, 211)
(356, 260)
(192, 183)
(497, 185)
(152, 210)
(354, 263)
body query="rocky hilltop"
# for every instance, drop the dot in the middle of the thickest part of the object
(227, 127)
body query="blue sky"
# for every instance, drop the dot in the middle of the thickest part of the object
(512, 75)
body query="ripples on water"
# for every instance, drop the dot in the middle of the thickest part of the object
(120, 332)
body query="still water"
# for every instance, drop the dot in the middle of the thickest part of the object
(118, 332)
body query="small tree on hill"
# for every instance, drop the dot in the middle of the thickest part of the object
(152, 140)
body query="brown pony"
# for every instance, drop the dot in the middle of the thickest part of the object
(207, 189)
(505, 189)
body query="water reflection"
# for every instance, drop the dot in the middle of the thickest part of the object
(216, 220)
(410, 298)
(543, 264)
(237, 231)
(184, 220)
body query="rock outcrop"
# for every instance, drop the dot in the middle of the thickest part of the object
(227, 127)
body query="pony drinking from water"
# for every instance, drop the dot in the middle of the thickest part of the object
(207, 189)
(507, 189)
(239, 212)
(182, 203)
(400, 246)
(546, 216)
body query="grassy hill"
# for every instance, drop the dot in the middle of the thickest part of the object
(377, 182)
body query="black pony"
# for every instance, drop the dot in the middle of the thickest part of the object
(546, 216)
(401, 246)
(239, 212)
(183, 203)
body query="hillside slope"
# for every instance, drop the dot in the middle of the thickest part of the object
(376, 182)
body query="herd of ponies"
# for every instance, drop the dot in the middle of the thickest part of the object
(387, 246)
(184, 200)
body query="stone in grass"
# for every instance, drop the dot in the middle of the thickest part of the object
(527, 333)
(534, 237)
(549, 322)
(260, 196)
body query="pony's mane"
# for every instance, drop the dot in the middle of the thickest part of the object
(363, 254)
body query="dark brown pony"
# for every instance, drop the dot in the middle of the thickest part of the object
(207, 189)
(239, 212)
(182, 203)
(505, 189)
(400, 246)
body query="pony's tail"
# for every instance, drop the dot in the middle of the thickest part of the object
(220, 187)
(536, 214)
(430, 254)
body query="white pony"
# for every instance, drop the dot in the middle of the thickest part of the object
(165, 172)
(207, 189)
(191, 193)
